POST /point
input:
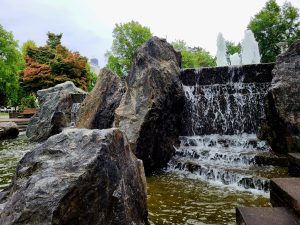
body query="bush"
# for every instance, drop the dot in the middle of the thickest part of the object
(29, 101)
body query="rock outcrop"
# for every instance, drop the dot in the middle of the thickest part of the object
(8, 130)
(97, 111)
(77, 177)
(55, 110)
(150, 110)
(282, 125)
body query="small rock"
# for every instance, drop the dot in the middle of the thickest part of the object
(8, 130)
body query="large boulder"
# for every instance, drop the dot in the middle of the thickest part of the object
(8, 130)
(150, 110)
(97, 111)
(282, 125)
(56, 104)
(77, 177)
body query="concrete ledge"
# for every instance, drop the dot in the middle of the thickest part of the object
(285, 192)
(266, 216)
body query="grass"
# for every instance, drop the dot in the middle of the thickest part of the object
(5, 115)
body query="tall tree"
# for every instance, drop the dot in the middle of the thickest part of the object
(52, 64)
(11, 62)
(127, 37)
(274, 24)
(193, 57)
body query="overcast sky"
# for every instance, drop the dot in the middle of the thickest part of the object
(87, 24)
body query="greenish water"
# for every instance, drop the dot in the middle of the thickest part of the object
(172, 198)
(11, 151)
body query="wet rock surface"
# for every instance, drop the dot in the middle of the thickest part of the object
(55, 110)
(8, 130)
(255, 73)
(97, 111)
(77, 177)
(150, 110)
(282, 125)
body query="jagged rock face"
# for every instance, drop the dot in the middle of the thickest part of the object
(8, 130)
(150, 110)
(55, 110)
(77, 177)
(97, 111)
(282, 126)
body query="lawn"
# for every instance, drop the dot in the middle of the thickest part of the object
(4, 115)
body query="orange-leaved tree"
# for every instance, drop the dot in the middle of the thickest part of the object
(52, 64)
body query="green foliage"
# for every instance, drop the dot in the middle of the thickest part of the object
(11, 62)
(232, 48)
(127, 37)
(54, 39)
(92, 78)
(26, 46)
(52, 64)
(193, 57)
(274, 24)
(29, 101)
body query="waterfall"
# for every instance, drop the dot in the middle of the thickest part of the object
(221, 119)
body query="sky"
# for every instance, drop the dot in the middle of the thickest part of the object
(87, 25)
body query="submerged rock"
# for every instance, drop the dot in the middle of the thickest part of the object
(97, 111)
(150, 110)
(8, 130)
(77, 177)
(55, 110)
(282, 125)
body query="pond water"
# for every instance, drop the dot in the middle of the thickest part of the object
(173, 198)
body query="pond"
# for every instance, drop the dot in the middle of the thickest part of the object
(172, 198)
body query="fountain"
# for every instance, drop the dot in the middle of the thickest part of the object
(235, 59)
(221, 51)
(223, 110)
(250, 50)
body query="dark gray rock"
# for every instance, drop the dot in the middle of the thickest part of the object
(8, 130)
(150, 110)
(55, 110)
(282, 125)
(254, 73)
(77, 177)
(97, 111)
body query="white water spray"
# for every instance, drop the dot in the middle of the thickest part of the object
(250, 50)
(221, 51)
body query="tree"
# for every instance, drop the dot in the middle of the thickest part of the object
(233, 48)
(52, 64)
(193, 57)
(26, 45)
(274, 24)
(127, 38)
(11, 63)
(54, 39)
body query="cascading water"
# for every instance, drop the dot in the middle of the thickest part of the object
(221, 120)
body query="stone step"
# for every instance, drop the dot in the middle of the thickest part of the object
(266, 216)
(269, 158)
(294, 164)
(285, 192)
